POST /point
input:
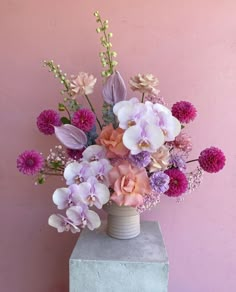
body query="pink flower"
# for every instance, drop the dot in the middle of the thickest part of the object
(144, 83)
(178, 182)
(83, 84)
(184, 111)
(84, 119)
(46, 120)
(183, 142)
(212, 159)
(129, 183)
(75, 154)
(30, 162)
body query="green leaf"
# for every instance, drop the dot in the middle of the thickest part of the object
(61, 107)
(65, 120)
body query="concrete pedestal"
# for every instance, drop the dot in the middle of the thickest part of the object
(100, 263)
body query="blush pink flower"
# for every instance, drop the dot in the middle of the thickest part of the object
(144, 83)
(129, 183)
(83, 84)
(212, 159)
(183, 142)
(46, 120)
(184, 111)
(84, 119)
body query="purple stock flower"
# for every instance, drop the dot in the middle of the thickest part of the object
(159, 182)
(46, 120)
(178, 162)
(141, 159)
(30, 162)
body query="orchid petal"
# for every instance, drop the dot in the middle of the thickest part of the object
(94, 152)
(71, 136)
(114, 89)
(60, 198)
(93, 220)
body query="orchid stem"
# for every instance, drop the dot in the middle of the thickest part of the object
(93, 110)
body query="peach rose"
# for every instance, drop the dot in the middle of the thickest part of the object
(160, 159)
(129, 183)
(112, 139)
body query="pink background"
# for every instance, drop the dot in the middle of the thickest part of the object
(191, 47)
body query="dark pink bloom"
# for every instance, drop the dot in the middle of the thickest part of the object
(178, 182)
(46, 120)
(184, 111)
(212, 159)
(84, 119)
(75, 154)
(30, 162)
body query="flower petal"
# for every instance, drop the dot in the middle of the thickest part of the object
(114, 89)
(70, 136)
(93, 220)
(60, 198)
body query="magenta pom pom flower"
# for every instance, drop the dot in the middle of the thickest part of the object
(184, 111)
(84, 119)
(30, 162)
(178, 182)
(46, 120)
(75, 154)
(212, 159)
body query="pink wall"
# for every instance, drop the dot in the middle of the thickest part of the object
(191, 47)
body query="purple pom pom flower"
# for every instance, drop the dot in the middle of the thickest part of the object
(178, 182)
(30, 162)
(184, 111)
(212, 159)
(159, 182)
(46, 120)
(84, 119)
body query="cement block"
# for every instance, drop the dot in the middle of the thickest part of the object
(100, 263)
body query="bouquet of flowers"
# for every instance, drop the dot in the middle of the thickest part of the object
(138, 153)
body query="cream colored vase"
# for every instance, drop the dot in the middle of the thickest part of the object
(122, 222)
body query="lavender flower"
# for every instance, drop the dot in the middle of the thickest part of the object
(159, 182)
(141, 159)
(178, 162)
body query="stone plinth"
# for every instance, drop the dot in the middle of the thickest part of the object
(100, 263)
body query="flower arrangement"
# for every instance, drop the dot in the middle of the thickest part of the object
(138, 153)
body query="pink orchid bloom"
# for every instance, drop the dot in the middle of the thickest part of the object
(143, 137)
(65, 197)
(100, 170)
(94, 152)
(62, 223)
(92, 192)
(82, 217)
(77, 172)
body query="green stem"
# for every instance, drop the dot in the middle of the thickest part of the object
(192, 160)
(93, 110)
(68, 113)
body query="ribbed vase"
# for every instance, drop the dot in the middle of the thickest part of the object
(122, 222)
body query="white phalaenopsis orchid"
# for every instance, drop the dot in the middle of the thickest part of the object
(66, 197)
(94, 152)
(77, 172)
(92, 192)
(62, 223)
(80, 215)
(100, 169)
(143, 137)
